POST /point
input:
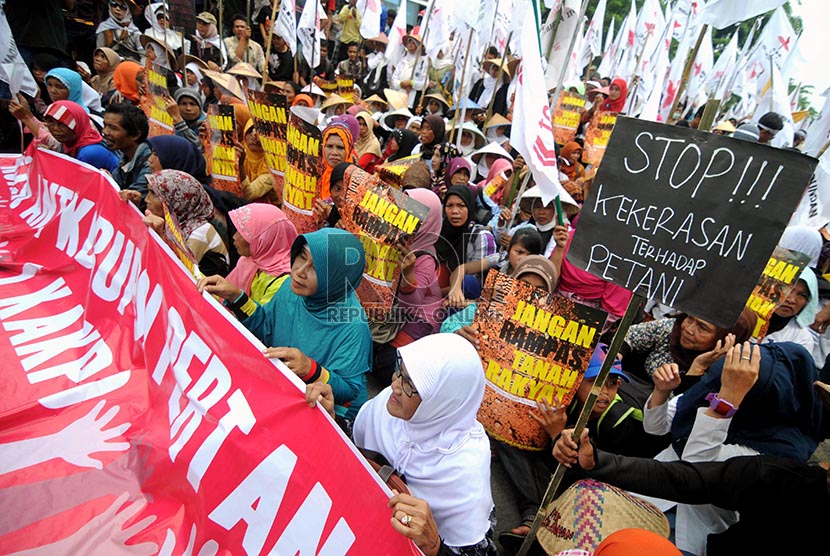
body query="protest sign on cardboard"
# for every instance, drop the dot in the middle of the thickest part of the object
(686, 217)
(534, 345)
(270, 115)
(597, 134)
(220, 152)
(566, 116)
(384, 218)
(778, 278)
(154, 103)
(302, 174)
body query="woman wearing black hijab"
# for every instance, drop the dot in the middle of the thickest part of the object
(432, 134)
(461, 239)
(405, 141)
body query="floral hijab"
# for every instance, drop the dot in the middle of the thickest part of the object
(185, 198)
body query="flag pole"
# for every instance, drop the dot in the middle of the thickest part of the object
(267, 77)
(221, 40)
(426, 87)
(489, 112)
(631, 98)
(424, 32)
(459, 121)
(558, 91)
(631, 313)
(686, 71)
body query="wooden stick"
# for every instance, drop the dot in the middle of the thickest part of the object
(631, 98)
(266, 77)
(616, 343)
(558, 91)
(460, 121)
(686, 71)
(489, 112)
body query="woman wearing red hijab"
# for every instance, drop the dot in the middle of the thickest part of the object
(66, 128)
(617, 92)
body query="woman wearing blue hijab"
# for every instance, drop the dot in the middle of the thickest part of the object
(65, 84)
(315, 321)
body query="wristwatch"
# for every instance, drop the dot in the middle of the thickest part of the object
(720, 407)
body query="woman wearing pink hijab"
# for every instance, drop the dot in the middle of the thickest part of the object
(263, 239)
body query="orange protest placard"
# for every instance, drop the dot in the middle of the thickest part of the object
(779, 277)
(534, 345)
(596, 137)
(566, 116)
(270, 115)
(302, 173)
(220, 153)
(383, 218)
(154, 103)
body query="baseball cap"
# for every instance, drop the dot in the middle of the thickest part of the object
(596, 364)
(207, 17)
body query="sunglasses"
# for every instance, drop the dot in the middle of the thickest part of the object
(118, 5)
(406, 382)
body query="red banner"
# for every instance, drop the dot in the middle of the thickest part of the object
(137, 416)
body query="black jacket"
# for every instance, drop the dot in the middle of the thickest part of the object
(784, 504)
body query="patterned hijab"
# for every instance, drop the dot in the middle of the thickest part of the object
(185, 198)
(448, 151)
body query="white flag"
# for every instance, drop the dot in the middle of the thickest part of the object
(13, 69)
(592, 44)
(559, 53)
(532, 131)
(370, 23)
(628, 45)
(395, 50)
(308, 31)
(723, 13)
(814, 210)
(723, 69)
(286, 25)
(649, 27)
(502, 25)
(775, 98)
(438, 27)
(819, 130)
(775, 43)
(701, 68)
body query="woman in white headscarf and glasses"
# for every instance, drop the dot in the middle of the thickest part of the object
(425, 425)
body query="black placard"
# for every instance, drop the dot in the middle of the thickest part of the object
(183, 16)
(686, 217)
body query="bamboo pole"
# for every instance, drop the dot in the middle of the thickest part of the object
(686, 71)
(459, 121)
(489, 112)
(616, 343)
(266, 77)
(631, 98)
(423, 41)
(558, 91)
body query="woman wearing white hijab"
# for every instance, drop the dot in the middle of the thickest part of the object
(118, 31)
(425, 425)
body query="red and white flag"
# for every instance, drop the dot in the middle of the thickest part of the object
(370, 23)
(592, 43)
(286, 26)
(395, 50)
(308, 31)
(532, 131)
(701, 68)
(723, 69)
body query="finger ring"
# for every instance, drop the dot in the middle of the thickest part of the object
(406, 519)
(745, 358)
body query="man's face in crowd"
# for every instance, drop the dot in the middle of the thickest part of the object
(240, 28)
(352, 52)
(114, 133)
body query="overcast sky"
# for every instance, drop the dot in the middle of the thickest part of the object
(814, 46)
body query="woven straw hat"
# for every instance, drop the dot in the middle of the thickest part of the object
(589, 511)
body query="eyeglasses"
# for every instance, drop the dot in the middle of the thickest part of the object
(406, 382)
